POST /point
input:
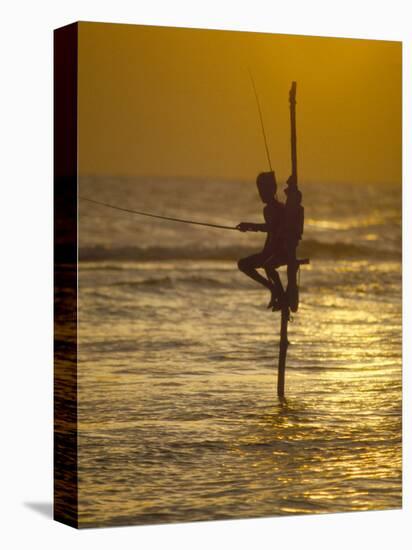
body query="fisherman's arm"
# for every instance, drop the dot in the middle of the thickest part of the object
(248, 226)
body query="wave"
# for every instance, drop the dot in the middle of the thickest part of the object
(172, 282)
(343, 250)
(356, 288)
(309, 248)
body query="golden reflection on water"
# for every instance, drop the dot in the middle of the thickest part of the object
(347, 223)
(178, 420)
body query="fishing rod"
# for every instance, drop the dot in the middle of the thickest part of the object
(150, 215)
(192, 222)
(261, 119)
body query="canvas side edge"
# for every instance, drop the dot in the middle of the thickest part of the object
(65, 452)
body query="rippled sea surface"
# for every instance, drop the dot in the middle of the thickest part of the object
(178, 414)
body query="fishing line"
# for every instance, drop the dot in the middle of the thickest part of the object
(158, 216)
(261, 120)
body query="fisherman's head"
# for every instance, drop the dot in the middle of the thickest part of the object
(266, 184)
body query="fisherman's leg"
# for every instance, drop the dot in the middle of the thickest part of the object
(273, 276)
(249, 266)
(278, 293)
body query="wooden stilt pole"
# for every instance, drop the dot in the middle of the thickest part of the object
(292, 207)
(284, 342)
(283, 348)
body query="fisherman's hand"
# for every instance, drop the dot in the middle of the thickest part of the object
(291, 181)
(244, 226)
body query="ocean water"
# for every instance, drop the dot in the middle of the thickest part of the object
(178, 414)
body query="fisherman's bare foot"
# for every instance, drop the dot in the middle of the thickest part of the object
(281, 302)
(276, 306)
(273, 300)
(293, 296)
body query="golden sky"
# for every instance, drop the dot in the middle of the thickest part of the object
(179, 102)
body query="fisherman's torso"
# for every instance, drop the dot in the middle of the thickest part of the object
(274, 218)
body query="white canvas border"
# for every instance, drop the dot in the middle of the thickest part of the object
(26, 288)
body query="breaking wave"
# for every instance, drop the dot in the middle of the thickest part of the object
(171, 282)
(310, 248)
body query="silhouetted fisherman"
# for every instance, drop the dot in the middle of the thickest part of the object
(284, 228)
(274, 253)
